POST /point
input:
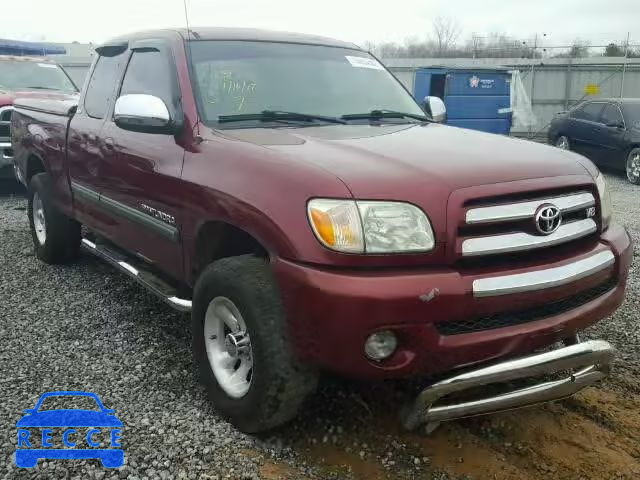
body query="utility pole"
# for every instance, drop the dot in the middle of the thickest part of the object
(624, 65)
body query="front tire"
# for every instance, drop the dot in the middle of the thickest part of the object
(633, 166)
(252, 375)
(56, 238)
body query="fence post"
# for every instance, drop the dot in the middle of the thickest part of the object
(624, 65)
(567, 84)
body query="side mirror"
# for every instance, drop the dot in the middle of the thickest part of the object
(435, 108)
(142, 113)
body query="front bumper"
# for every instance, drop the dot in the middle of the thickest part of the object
(332, 312)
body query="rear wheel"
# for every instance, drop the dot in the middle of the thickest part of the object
(563, 143)
(56, 238)
(242, 345)
(633, 166)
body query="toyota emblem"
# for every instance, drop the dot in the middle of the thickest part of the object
(548, 219)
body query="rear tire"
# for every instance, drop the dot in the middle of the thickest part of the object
(633, 166)
(275, 382)
(56, 237)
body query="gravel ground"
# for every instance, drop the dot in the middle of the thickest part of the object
(86, 327)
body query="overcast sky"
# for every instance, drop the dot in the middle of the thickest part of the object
(355, 20)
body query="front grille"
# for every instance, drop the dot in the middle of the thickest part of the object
(508, 319)
(508, 226)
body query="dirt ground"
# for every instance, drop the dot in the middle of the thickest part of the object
(594, 435)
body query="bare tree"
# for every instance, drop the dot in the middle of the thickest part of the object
(446, 31)
(579, 49)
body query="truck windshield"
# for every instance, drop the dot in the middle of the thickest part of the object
(27, 74)
(247, 78)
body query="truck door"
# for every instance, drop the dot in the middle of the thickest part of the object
(86, 148)
(141, 174)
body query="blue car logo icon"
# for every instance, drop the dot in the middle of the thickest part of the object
(74, 427)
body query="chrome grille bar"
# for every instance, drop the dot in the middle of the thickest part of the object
(542, 279)
(522, 210)
(519, 241)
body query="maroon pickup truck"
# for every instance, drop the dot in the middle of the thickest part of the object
(33, 77)
(290, 193)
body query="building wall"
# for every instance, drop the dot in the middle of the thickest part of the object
(553, 85)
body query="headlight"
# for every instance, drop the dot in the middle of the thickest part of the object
(605, 200)
(370, 226)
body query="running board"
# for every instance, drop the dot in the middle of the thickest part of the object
(147, 279)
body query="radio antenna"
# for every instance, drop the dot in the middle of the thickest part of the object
(189, 56)
(186, 18)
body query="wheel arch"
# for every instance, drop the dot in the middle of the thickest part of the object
(33, 166)
(216, 239)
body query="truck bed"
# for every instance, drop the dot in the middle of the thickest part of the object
(39, 135)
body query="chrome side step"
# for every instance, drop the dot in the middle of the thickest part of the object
(150, 281)
(593, 357)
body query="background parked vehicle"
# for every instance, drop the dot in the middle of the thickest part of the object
(33, 77)
(605, 130)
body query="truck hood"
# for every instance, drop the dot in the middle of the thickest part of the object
(374, 161)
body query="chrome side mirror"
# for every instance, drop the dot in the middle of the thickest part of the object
(142, 113)
(434, 107)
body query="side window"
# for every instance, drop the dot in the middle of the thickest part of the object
(611, 115)
(589, 111)
(148, 72)
(101, 86)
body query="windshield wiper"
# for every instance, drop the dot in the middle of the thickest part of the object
(276, 115)
(380, 114)
(41, 88)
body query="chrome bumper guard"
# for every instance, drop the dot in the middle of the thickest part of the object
(593, 358)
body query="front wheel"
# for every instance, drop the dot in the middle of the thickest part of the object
(563, 143)
(242, 345)
(633, 166)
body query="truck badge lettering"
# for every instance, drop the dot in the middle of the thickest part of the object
(154, 212)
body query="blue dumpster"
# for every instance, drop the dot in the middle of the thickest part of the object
(476, 98)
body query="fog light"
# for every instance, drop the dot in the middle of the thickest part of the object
(380, 345)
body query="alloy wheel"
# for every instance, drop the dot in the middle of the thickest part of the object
(39, 221)
(633, 167)
(562, 143)
(228, 347)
